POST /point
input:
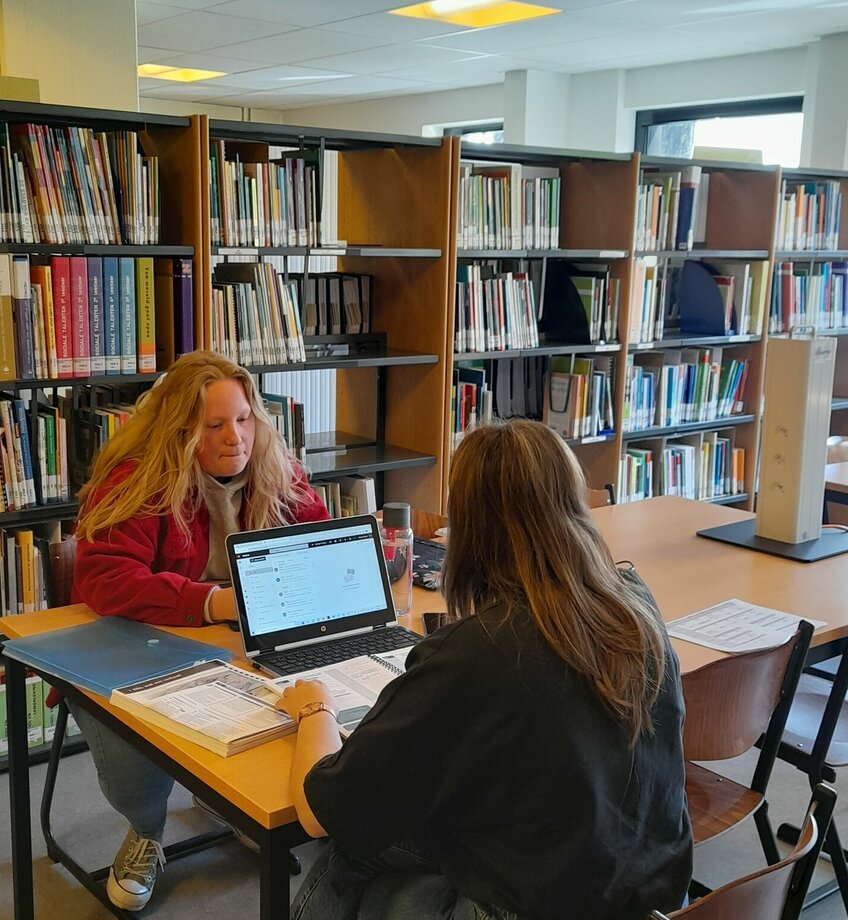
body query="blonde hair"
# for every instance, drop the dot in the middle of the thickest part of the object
(162, 436)
(521, 535)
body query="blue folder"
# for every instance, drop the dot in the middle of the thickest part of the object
(110, 652)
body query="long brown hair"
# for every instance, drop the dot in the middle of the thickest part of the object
(521, 535)
(162, 436)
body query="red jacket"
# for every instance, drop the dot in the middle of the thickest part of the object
(144, 570)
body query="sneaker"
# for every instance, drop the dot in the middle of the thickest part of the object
(215, 816)
(133, 873)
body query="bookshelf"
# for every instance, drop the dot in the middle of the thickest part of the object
(174, 142)
(393, 222)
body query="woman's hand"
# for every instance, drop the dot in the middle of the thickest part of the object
(302, 694)
(222, 605)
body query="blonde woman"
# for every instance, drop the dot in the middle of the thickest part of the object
(199, 459)
(529, 762)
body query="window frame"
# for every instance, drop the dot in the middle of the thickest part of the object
(648, 118)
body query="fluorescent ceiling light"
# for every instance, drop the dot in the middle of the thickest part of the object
(475, 14)
(179, 74)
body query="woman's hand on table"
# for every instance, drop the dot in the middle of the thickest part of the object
(304, 692)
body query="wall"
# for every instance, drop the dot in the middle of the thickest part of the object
(82, 52)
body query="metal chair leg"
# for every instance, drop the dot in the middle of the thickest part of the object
(764, 829)
(53, 849)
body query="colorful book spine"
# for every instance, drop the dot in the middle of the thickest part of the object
(183, 307)
(145, 316)
(60, 269)
(8, 361)
(26, 454)
(129, 358)
(22, 310)
(111, 315)
(96, 316)
(80, 334)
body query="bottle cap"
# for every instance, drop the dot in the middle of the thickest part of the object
(396, 514)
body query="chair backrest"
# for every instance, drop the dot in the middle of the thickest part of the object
(774, 893)
(731, 702)
(598, 498)
(62, 558)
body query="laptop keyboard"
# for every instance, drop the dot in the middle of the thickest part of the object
(319, 656)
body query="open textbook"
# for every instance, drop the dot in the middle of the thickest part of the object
(220, 707)
(355, 683)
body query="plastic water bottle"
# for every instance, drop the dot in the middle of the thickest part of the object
(396, 534)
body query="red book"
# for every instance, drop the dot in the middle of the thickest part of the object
(81, 342)
(60, 270)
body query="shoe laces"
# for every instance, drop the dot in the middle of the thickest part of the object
(142, 858)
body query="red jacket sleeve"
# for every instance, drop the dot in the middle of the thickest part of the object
(311, 508)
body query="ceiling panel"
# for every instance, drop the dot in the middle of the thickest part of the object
(204, 89)
(198, 31)
(146, 11)
(281, 76)
(303, 13)
(393, 28)
(208, 60)
(303, 45)
(392, 57)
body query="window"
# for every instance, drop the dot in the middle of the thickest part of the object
(762, 131)
(491, 133)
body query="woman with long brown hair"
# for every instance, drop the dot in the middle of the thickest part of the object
(529, 762)
(198, 459)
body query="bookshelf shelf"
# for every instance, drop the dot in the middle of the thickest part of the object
(56, 511)
(594, 439)
(694, 341)
(363, 252)
(388, 358)
(41, 753)
(810, 255)
(838, 403)
(728, 499)
(545, 349)
(92, 249)
(752, 255)
(321, 441)
(374, 459)
(687, 428)
(541, 254)
(49, 383)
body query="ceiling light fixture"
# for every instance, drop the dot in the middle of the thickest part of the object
(178, 74)
(475, 14)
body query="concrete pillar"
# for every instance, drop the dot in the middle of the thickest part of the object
(824, 142)
(597, 118)
(536, 108)
(82, 52)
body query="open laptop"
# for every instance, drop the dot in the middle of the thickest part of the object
(314, 594)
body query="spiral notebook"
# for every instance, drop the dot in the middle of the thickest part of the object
(355, 683)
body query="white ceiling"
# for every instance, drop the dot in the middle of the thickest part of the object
(293, 53)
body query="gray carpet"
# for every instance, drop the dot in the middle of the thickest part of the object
(222, 882)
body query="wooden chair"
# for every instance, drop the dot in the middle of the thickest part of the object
(599, 498)
(731, 705)
(774, 893)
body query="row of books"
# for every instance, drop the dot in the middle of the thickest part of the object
(271, 203)
(471, 402)
(41, 719)
(679, 385)
(288, 417)
(578, 399)
(671, 209)
(25, 569)
(809, 214)
(810, 295)
(701, 468)
(256, 315)
(347, 496)
(334, 304)
(75, 185)
(495, 311)
(77, 316)
(508, 206)
(696, 298)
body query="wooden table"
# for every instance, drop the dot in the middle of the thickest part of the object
(835, 486)
(684, 571)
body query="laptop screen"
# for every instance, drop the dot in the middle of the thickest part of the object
(309, 581)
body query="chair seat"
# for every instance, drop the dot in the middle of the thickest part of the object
(805, 717)
(716, 804)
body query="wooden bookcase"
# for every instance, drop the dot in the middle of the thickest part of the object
(393, 219)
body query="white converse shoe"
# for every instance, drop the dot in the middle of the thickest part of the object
(133, 873)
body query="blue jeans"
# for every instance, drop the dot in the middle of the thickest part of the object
(399, 884)
(133, 785)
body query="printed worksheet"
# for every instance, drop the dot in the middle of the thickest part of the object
(737, 626)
